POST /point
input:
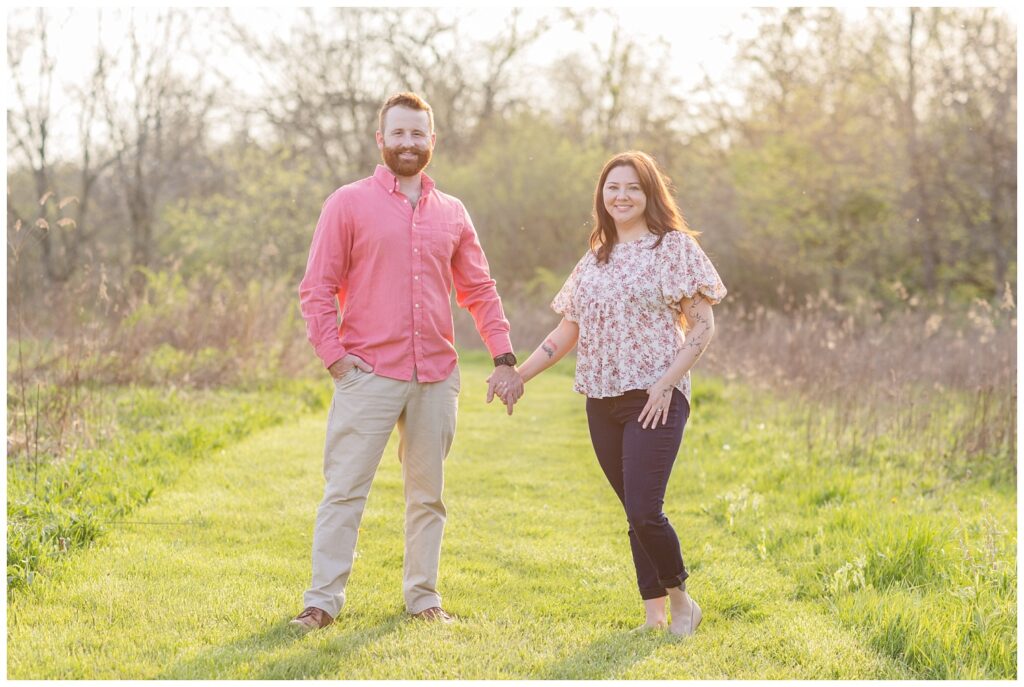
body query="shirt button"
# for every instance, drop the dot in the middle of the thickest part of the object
(416, 277)
(417, 333)
(417, 305)
(415, 250)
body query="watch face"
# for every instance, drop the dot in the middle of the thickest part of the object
(505, 359)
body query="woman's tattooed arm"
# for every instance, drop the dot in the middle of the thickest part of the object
(549, 347)
(701, 324)
(558, 342)
(698, 336)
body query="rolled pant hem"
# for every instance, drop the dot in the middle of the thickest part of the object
(655, 593)
(677, 581)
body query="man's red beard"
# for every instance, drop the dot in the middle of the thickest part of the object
(406, 168)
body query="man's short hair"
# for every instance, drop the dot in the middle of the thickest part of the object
(409, 100)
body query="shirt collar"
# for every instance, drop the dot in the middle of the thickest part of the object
(389, 181)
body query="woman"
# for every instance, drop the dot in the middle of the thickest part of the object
(627, 302)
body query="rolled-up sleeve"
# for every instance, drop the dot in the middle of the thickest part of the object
(323, 288)
(477, 292)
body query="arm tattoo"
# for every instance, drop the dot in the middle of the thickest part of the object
(692, 315)
(699, 327)
(549, 347)
(697, 343)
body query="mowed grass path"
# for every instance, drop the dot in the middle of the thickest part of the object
(535, 565)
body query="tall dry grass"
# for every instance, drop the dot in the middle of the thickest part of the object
(208, 332)
(936, 385)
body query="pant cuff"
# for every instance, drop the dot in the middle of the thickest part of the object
(653, 593)
(332, 609)
(423, 605)
(677, 581)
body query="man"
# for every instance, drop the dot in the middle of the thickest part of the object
(389, 248)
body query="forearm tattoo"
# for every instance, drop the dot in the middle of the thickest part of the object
(699, 326)
(549, 347)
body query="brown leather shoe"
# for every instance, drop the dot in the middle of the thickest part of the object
(311, 619)
(434, 614)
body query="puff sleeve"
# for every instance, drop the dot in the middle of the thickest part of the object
(565, 301)
(686, 270)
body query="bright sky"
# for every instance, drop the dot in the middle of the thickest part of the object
(695, 34)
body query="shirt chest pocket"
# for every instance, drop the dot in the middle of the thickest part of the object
(444, 239)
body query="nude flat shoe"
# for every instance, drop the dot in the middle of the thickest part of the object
(696, 615)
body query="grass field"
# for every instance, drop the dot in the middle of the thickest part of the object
(805, 566)
(133, 441)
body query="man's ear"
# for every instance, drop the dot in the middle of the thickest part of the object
(380, 140)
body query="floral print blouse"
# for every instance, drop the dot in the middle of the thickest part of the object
(628, 308)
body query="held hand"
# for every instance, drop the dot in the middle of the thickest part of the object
(507, 384)
(340, 368)
(659, 397)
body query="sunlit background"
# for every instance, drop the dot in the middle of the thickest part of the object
(853, 173)
(838, 149)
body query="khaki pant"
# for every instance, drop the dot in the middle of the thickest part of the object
(364, 411)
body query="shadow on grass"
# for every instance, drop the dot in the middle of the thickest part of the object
(607, 657)
(246, 657)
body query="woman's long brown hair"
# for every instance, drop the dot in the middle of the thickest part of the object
(662, 213)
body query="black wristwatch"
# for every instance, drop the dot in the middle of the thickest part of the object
(505, 359)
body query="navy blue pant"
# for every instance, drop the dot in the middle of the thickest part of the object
(637, 463)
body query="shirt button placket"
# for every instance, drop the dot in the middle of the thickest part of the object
(417, 267)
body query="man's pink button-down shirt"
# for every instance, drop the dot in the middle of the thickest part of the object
(391, 267)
